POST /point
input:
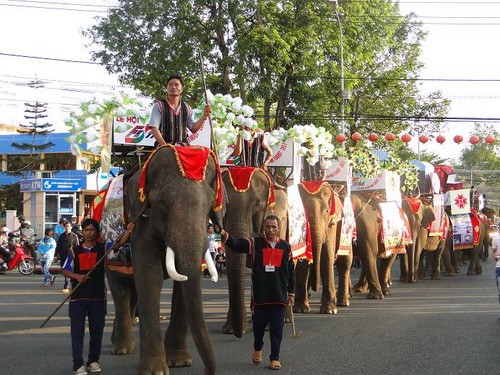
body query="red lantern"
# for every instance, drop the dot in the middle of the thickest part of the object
(489, 139)
(440, 139)
(458, 138)
(372, 137)
(474, 139)
(389, 137)
(423, 138)
(406, 138)
(356, 136)
(340, 138)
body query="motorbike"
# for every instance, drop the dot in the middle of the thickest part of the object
(24, 263)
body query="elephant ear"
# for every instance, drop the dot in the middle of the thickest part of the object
(428, 216)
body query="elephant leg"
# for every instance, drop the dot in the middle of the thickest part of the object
(436, 260)
(475, 267)
(301, 304)
(424, 264)
(177, 353)
(123, 291)
(328, 294)
(403, 267)
(148, 276)
(384, 273)
(344, 276)
(362, 285)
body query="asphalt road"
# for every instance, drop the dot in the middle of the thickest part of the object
(450, 326)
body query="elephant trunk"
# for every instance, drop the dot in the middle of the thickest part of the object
(236, 271)
(170, 265)
(318, 239)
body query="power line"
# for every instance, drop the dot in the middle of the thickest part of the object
(49, 58)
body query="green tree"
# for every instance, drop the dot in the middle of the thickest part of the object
(11, 198)
(282, 57)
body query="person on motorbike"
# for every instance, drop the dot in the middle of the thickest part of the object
(4, 248)
(27, 235)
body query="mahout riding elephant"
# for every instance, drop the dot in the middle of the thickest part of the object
(250, 197)
(420, 214)
(169, 240)
(323, 208)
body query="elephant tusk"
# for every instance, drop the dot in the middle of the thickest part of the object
(170, 264)
(211, 267)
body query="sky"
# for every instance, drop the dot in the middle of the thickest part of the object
(461, 58)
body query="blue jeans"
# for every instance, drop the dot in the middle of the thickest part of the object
(275, 316)
(497, 273)
(96, 312)
(47, 276)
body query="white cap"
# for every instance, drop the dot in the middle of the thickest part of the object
(27, 222)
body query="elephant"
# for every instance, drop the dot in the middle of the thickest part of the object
(323, 208)
(434, 249)
(375, 272)
(420, 214)
(246, 209)
(169, 240)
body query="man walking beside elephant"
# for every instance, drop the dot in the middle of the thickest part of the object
(273, 284)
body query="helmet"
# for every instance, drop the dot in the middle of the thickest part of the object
(5, 230)
(27, 222)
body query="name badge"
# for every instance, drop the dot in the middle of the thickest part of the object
(269, 268)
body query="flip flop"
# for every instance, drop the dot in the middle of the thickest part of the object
(275, 365)
(257, 357)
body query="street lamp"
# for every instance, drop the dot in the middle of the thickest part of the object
(345, 95)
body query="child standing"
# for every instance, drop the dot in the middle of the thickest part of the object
(47, 249)
(220, 260)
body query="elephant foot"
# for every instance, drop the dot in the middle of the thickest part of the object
(328, 309)
(436, 277)
(123, 348)
(228, 328)
(449, 274)
(301, 308)
(179, 358)
(375, 295)
(152, 366)
(361, 288)
(343, 301)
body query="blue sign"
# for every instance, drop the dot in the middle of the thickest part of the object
(51, 184)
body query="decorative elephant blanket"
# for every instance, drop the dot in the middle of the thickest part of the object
(192, 162)
(464, 231)
(241, 178)
(395, 229)
(314, 187)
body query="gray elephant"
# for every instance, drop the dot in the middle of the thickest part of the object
(420, 214)
(324, 220)
(169, 239)
(249, 194)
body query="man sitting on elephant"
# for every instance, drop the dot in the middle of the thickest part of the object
(170, 118)
(250, 148)
(273, 284)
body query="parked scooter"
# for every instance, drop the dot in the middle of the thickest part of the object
(24, 263)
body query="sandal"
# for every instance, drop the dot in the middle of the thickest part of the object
(275, 365)
(43, 285)
(257, 357)
(53, 280)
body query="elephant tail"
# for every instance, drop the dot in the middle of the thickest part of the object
(170, 265)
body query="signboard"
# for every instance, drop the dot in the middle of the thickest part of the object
(296, 222)
(393, 227)
(386, 180)
(463, 236)
(339, 170)
(283, 155)
(130, 131)
(347, 228)
(459, 201)
(51, 184)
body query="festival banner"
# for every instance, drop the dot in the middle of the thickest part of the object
(347, 228)
(437, 225)
(392, 226)
(386, 180)
(463, 236)
(460, 201)
(297, 224)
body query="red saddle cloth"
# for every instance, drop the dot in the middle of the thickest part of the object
(241, 178)
(192, 162)
(414, 204)
(313, 187)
